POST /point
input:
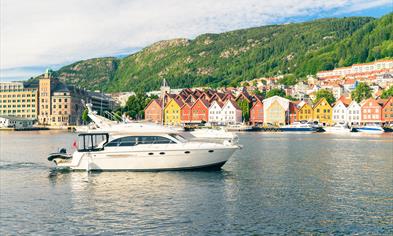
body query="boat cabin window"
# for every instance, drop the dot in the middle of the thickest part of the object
(92, 142)
(179, 137)
(135, 140)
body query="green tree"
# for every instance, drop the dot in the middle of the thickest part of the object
(275, 92)
(387, 93)
(85, 116)
(361, 92)
(136, 104)
(245, 107)
(324, 93)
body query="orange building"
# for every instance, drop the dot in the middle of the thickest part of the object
(256, 112)
(185, 112)
(370, 111)
(200, 111)
(153, 111)
(387, 111)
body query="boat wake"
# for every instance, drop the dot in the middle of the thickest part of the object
(4, 165)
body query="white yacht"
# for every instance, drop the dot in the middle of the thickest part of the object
(141, 147)
(339, 128)
(371, 129)
(299, 127)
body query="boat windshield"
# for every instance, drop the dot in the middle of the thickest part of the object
(92, 141)
(179, 138)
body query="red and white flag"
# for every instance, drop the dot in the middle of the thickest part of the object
(75, 145)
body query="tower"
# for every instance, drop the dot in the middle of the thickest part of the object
(44, 96)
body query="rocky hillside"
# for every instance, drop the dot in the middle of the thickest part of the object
(231, 57)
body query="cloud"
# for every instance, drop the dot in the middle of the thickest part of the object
(46, 32)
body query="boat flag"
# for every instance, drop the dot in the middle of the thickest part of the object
(74, 144)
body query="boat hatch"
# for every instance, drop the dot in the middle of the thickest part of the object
(92, 141)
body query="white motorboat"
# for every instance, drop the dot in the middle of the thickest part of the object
(339, 128)
(239, 127)
(371, 129)
(150, 150)
(299, 127)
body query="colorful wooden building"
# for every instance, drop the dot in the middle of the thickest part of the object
(256, 112)
(387, 111)
(153, 111)
(185, 112)
(172, 112)
(322, 112)
(231, 112)
(304, 111)
(200, 111)
(371, 111)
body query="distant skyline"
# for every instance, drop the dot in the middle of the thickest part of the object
(39, 34)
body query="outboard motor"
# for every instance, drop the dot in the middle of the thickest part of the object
(61, 154)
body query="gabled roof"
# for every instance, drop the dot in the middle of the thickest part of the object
(203, 101)
(388, 101)
(244, 95)
(220, 104)
(177, 101)
(368, 100)
(159, 103)
(320, 101)
(233, 103)
(301, 104)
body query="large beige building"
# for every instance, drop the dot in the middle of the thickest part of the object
(60, 104)
(19, 99)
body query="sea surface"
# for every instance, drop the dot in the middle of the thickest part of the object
(278, 184)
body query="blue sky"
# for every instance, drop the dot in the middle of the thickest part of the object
(36, 34)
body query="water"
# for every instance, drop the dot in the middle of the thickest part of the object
(277, 184)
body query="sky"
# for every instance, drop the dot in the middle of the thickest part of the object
(38, 34)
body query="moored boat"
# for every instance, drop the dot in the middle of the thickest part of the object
(371, 129)
(339, 128)
(298, 127)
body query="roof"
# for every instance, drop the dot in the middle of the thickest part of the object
(154, 100)
(346, 101)
(218, 103)
(233, 103)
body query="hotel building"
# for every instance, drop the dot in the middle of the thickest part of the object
(19, 99)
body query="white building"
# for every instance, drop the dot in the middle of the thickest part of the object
(15, 122)
(353, 113)
(215, 112)
(231, 113)
(340, 112)
(338, 91)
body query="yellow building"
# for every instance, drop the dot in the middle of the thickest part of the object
(305, 111)
(323, 112)
(18, 99)
(172, 112)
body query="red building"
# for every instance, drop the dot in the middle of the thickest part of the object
(185, 112)
(200, 111)
(256, 112)
(293, 112)
(153, 111)
(370, 111)
(387, 111)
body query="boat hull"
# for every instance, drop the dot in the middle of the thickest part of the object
(298, 129)
(152, 161)
(370, 130)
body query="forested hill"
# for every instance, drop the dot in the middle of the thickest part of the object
(227, 58)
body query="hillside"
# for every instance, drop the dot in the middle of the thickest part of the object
(227, 58)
